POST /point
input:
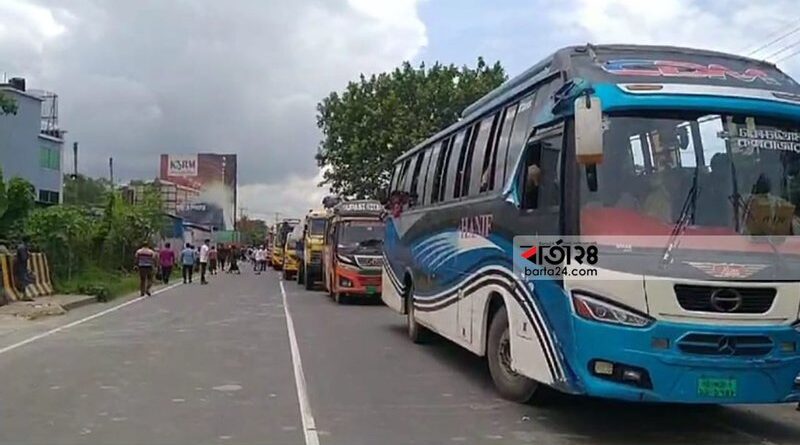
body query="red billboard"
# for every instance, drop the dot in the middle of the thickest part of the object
(214, 177)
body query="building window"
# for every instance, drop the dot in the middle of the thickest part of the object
(50, 158)
(48, 197)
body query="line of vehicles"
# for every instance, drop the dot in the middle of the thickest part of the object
(680, 166)
(338, 249)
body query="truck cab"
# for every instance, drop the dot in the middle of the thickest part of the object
(282, 230)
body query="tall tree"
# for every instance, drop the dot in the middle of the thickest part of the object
(82, 190)
(377, 118)
(7, 104)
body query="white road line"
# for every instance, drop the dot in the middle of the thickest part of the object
(309, 427)
(81, 321)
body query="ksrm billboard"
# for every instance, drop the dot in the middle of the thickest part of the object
(214, 178)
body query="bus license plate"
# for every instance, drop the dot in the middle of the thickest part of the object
(372, 290)
(716, 387)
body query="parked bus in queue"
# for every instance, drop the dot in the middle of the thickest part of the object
(282, 229)
(292, 253)
(313, 239)
(691, 157)
(352, 250)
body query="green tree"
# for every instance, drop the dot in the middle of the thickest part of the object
(19, 204)
(82, 190)
(65, 233)
(377, 118)
(7, 104)
(253, 231)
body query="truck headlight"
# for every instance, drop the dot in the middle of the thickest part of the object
(592, 307)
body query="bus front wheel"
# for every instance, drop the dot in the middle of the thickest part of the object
(509, 383)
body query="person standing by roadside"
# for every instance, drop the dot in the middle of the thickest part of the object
(204, 249)
(234, 260)
(21, 274)
(212, 260)
(166, 259)
(187, 261)
(145, 261)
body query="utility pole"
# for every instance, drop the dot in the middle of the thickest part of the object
(74, 160)
(111, 171)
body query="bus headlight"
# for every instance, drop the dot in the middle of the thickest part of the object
(796, 326)
(593, 308)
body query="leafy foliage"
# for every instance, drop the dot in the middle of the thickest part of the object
(85, 191)
(7, 104)
(253, 231)
(16, 202)
(377, 118)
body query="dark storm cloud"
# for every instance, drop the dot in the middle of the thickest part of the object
(140, 78)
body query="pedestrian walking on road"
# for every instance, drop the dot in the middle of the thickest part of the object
(262, 261)
(212, 260)
(187, 260)
(222, 255)
(145, 262)
(234, 261)
(204, 249)
(166, 259)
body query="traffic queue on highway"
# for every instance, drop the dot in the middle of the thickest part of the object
(337, 249)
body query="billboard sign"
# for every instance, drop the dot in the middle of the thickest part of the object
(214, 178)
(182, 165)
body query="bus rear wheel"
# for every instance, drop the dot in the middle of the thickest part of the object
(416, 332)
(300, 274)
(509, 383)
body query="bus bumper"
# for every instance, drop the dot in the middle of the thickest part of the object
(353, 283)
(687, 363)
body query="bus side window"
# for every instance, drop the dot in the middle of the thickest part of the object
(407, 176)
(412, 190)
(499, 165)
(452, 181)
(540, 184)
(425, 173)
(482, 156)
(439, 154)
(445, 176)
(395, 178)
(403, 173)
(522, 130)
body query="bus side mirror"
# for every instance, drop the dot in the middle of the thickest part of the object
(588, 130)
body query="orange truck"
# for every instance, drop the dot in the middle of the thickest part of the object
(353, 250)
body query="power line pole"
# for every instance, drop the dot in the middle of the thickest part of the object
(111, 171)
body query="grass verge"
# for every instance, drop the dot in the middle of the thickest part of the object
(101, 283)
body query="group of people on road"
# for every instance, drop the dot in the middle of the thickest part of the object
(259, 258)
(206, 259)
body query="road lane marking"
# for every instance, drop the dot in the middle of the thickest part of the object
(309, 427)
(81, 321)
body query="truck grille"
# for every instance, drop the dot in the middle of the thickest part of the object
(753, 300)
(730, 345)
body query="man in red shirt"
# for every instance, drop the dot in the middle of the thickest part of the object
(166, 259)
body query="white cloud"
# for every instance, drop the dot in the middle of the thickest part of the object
(738, 26)
(292, 198)
(137, 78)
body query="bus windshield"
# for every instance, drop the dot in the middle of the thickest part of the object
(316, 226)
(719, 174)
(367, 234)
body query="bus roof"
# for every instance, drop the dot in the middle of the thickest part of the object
(609, 63)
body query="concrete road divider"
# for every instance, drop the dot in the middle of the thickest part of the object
(6, 264)
(41, 283)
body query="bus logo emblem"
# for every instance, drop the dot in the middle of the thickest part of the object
(726, 300)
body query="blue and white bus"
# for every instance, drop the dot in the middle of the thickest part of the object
(695, 149)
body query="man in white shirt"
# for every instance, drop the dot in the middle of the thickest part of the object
(204, 261)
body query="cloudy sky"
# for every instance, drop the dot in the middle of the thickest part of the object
(137, 78)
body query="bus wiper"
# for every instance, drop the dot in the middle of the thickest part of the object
(687, 216)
